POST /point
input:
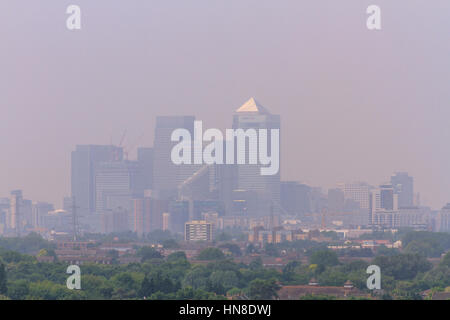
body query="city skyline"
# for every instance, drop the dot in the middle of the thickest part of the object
(119, 154)
(355, 104)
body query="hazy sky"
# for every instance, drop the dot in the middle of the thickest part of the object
(355, 104)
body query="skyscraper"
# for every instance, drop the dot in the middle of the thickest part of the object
(145, 159)
(357, 191)
(147, 214)
(336, 200)
(403, 186)
(83, 161)
(295, 198)
(252, 115)
(179, 215)
(167, 175)
(443, 219)
(383, 199)
(116, 183)
(15, 211)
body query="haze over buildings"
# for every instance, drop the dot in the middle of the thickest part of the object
(355, 105)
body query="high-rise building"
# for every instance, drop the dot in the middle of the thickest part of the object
(167, 175)
(252, 115)
(201, 207)
(4, 208)
(141, 216)
(39, 211)
(16, 203)
(179, 215)
(443, 219)
(336, 200)
(145, 159)
(147, 214)
(295, 198)
(403, 186)
(223, 182)
(166, 221)
(358, 192)
(382, 199)
(116, 183)
(197, 186)
(115, 221)
(199, 230)
(83, 161)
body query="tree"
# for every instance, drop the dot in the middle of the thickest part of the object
(170, 244)
(147, 253)
(289, 270)
(113, 254)
(256, 264)
(437, 242)
(3, 288)
(233, 248)
(176, 256)
(323, 259)
(271, 250)
(147, 287)
(263, 289)
(250, 249)
(224, 280)
(211, 254)
(429, 248)
(402, 266)
(446, 260)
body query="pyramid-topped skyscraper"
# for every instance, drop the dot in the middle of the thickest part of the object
(252, 106)
(252, 115)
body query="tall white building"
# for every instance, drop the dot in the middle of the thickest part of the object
(356, 191)
(252, 115)
(443, 221)
(16, 203)
(116, 183)
(167, 176)
(382, 199)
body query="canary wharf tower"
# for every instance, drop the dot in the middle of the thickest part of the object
(265, 188)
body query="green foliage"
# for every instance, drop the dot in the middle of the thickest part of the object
(30, 244)
(332, 277)
(445, 262)
(3, 287)
(317, 297)
(260, 289)
(323, 259)
(289, 271)
(148, 253)
(211, 254)
(428, 248)
(170, 244)
(429, 244)
(271, 249)
(176, 256)
(385, 251)
(404, 276)
(403, 266)
(233, 248)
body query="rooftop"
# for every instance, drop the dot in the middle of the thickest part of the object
(252, 106)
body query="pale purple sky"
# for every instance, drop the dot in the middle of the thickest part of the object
(355, 104)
